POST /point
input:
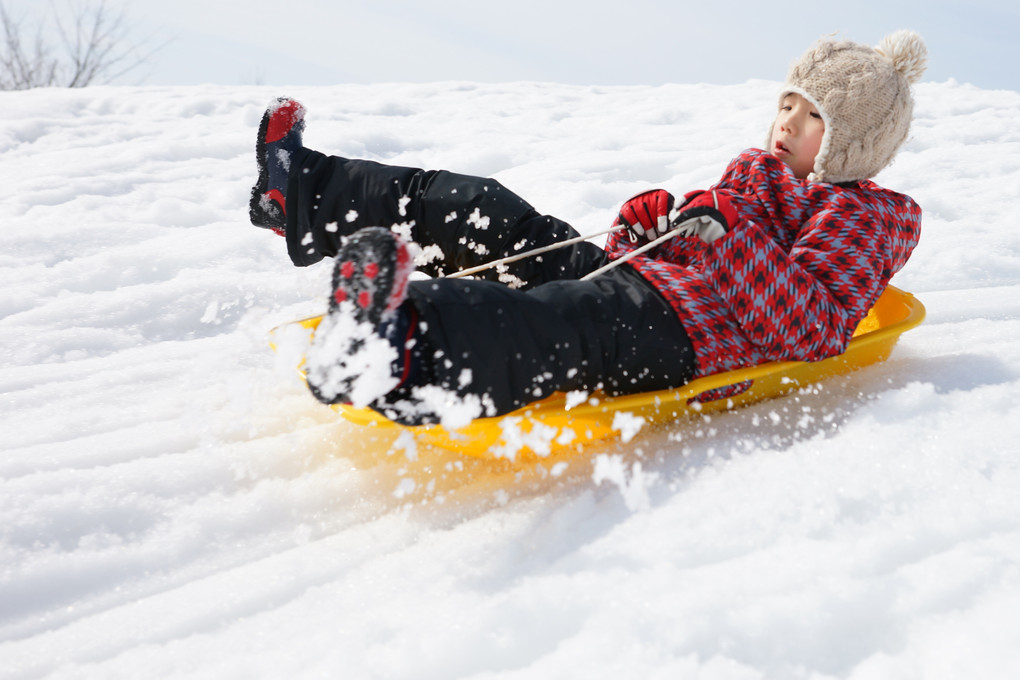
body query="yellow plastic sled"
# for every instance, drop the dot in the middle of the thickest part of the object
(546, 427)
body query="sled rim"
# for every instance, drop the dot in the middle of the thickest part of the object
(895, 312)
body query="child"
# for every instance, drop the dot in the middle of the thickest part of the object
(777, 261)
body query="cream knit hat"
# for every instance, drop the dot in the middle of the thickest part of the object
(864, 97)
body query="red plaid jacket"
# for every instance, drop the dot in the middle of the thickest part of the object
(793, 278)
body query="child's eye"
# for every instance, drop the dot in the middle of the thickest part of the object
(816, 115)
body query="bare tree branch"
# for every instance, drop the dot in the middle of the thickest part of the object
(95, 49)
(19, 67)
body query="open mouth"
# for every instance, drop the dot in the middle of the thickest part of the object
(779, 147)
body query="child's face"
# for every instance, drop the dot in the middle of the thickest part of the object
(797, 134)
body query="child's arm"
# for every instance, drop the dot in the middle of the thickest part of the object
(799, 266)
(802, 304)
(805, 262)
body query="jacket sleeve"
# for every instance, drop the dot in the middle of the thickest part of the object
(806, 302)
(807, 260)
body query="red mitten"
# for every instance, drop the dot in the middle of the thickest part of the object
(705, 214)
(647, 214)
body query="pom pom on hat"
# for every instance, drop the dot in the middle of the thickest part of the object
(864, 97)
(907, 52)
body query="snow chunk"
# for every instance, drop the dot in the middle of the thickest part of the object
(283, 156)
(408, 443)
(627, 424)
(575, 398)
(633, 486)
(350, 358)
(405, 487)
(537, 437)
(478, 220)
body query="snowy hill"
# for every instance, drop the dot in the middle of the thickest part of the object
(173, 504)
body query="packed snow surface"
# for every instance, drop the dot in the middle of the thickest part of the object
(174, 504)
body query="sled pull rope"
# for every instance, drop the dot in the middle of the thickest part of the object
(569, 242)
(530, 253)
(634, 253)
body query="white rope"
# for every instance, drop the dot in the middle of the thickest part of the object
(634, 253)
(530, 253)
(571, 241)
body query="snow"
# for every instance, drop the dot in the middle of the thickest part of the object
(173, 503)
(365, 374)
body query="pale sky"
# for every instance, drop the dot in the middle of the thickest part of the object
(592, 42)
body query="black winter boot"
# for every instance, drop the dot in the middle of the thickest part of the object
(279, 137)
(362, 347)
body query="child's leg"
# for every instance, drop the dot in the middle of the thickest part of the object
(510, 348)
(462, 220)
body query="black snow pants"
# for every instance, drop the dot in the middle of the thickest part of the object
(508, 345)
